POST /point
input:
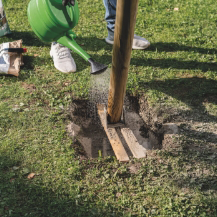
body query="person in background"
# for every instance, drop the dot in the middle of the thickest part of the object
(61, 55)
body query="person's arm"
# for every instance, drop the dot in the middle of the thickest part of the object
(66, 2)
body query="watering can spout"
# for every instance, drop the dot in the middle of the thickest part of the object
(96, 67)
(69, 42)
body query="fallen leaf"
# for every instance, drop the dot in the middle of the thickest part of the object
(118, 194)
(31, 176)
(35, 55)
(66, 83)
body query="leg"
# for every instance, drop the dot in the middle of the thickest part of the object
(139, 43)
(62, 58)
(110, 14)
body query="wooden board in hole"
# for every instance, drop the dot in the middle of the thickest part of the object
(137, 150)
(112, 135)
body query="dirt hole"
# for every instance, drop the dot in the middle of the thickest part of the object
(91, 140)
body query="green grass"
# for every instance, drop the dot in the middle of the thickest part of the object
(177, 73)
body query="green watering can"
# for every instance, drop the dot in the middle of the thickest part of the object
(51, 21)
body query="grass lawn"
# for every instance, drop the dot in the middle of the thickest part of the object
(177, 76)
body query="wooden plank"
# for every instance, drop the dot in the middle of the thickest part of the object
(137, 150)
(112, 135)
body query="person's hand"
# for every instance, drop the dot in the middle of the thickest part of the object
(67, 2)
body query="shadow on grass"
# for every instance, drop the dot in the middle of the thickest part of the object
(202, 136)
(173, 47)
(193, 91)
(175, 64)
(94, 44)
(86, 43)
(202, 180)
(196, 93)
(29, 39)
(21, 196)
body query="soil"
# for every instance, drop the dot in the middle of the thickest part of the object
(87, 132)
(148, 124)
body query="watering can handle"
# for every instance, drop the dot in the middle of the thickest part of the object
(68, 41)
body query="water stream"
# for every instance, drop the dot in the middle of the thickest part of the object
(98, 93)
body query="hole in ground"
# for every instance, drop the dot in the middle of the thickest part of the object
(90, 139)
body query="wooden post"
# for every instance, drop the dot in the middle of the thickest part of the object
(123, 38)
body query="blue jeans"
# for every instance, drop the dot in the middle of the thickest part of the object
(110, 14)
